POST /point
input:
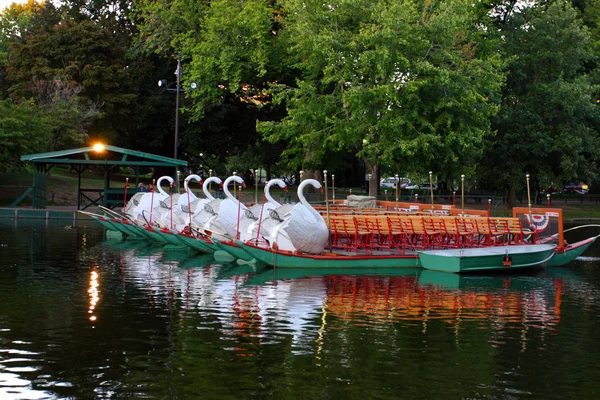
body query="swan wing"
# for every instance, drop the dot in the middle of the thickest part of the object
(306, 232)
(228, 216)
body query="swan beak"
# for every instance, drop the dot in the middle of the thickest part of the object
(243, 185)
(285, 189)
(321, 190)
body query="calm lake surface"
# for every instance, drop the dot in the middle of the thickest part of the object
(84, 317)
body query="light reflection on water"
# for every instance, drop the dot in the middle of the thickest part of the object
(83, 317)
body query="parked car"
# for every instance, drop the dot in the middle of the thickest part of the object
(390, 182)
(551, 190)
(576, 187)
(425, 185)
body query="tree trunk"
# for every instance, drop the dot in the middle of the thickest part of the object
(373, 170)
(512, 196)
(268, 172)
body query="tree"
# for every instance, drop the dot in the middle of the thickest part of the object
(85, 55)
(23, 130)
(548, 123)
(14, 23)
(66, 118)
(391, 80)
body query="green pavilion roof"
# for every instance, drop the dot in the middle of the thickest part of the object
(109, 155)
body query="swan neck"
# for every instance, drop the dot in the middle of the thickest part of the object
(303, 199)
(159, 185)
(268, 196)
(226, 190)
(205, 188)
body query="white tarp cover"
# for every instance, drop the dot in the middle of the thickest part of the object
(362, 201)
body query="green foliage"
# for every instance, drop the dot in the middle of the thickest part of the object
(549, 120)
(243, 28)
(394, 82)
(14, 22)
(404, 86)
(23, 130)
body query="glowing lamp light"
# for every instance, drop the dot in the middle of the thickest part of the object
(98, 147)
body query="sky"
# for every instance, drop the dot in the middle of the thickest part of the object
(6, 3)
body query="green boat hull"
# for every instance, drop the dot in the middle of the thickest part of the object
(106, 224)
(116, 225)
(166, 236)
(233, 249)
(281, 259)
(571, 252)
(134, 230)
(501, 258)
(195, 244)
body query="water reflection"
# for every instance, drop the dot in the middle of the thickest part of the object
(104, 318)
(262, 305)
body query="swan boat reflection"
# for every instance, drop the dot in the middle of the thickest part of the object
(304, 304)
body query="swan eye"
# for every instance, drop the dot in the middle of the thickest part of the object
(273, 214)
(250, 215)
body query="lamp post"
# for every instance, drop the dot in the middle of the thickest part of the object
(333, 187)
(256, 186)
(163, 83)
(178, 75)
(397, 188)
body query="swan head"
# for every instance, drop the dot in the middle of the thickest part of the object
(186, 181)
(207, 182)
(212, 179)
(268, 196)
(234, 178)
(278, 182)
(159, 182)
(313, 182)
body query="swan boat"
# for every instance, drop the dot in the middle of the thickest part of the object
(251, 223)
(538, 226)
(534, 239)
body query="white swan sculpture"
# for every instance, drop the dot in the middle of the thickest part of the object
(141, 203)
(162, 200)
(183, 205)
(203, 214)
(302, 228)
(199, 204)
(253, 216)
(224, 222)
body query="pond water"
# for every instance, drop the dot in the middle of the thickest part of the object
(85, 317)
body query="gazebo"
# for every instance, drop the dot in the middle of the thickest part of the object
(107, 157)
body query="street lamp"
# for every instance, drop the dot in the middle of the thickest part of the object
(163, 84)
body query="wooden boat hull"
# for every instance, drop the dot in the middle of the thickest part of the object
(282, 259)
(571, 252)
(500, 258)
